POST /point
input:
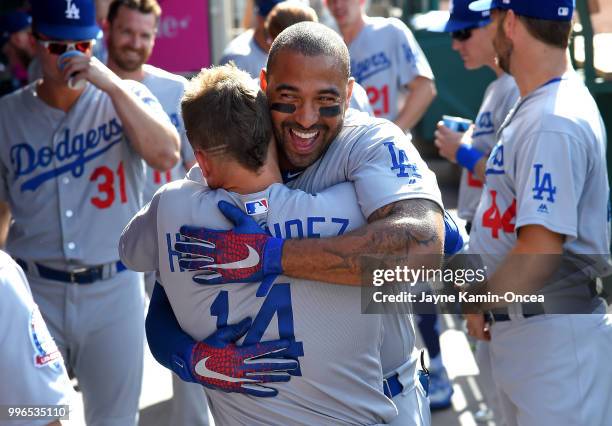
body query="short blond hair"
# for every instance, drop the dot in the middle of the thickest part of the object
(224, 111)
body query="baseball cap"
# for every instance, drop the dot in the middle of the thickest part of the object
(65, 19)
(550, 10)
(459, 17)
(11, 23)
(265, 6)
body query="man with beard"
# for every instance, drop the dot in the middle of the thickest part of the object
(470, 38)
(544, 218)
(131, 30)
(72, 172)
(17, 44)
(319, 147)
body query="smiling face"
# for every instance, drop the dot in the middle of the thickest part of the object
(345, 12)
(308, 96)
(131, 37)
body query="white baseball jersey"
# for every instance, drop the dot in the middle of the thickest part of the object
(31, 366)
(72, 179)
(168, 88)
(499, 98)
(245, 53)
(548, 168)
(341, 376)
(385, 57)
(385, 167)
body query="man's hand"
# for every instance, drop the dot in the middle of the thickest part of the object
(448, 141)
(477, 327)
(243, 254)
(217, 363)
(82, 67)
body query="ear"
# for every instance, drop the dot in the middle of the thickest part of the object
(510, 24)
(263, 79)
(349, 91)
(203, 162)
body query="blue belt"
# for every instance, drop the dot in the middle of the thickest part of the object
(78, 276)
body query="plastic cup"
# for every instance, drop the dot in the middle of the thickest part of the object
(456, 124)
(61, 63)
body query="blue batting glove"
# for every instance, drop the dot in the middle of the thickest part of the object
(217, 363)
(243, 254)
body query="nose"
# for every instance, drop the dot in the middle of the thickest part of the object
(307, 115)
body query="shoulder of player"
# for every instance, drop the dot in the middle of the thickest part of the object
(239, 46)
(164, 76)
(361, 131)
(15, 98)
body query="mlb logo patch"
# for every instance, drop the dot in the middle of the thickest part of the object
(563, 11)
(256, 206)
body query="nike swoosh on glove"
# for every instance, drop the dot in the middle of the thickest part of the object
(242, 254)
(217, 363)
(453, 240)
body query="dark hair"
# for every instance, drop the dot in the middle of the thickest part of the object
(142, 6)
(553, 33)
(311, 39)
(225, 112)
(288, 13)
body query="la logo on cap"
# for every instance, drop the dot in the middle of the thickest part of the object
(563, 11)
(72, 12)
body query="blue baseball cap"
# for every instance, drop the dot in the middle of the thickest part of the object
(65, 19)
(550, 10)
(265, 6)
(11, 23)
(460, 17)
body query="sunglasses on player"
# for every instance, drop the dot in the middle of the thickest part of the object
(61, 47)
(462, 35)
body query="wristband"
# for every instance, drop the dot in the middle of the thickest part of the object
(468, 156)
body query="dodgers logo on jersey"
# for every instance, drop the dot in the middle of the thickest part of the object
(484, 124)
(45, 349)
(71, 153)
(256, 206)
(496, 161)
(543, 184)
(72, 11)
(399, 162)
(376, 63)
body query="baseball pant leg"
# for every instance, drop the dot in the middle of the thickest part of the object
(109, 363)
(489, 389)
(189, 405)
(555, 368)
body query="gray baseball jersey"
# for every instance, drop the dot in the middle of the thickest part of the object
(341, 375)
(385, 57)
(31, 366)
(360, 101)
(246, 54)
(385, 167)
(499, 98)
(548, 168)
(72, 179)
(168, 88)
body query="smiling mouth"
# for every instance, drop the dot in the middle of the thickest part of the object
(303, 141)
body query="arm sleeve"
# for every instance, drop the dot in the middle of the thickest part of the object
(411, 59)
(549, 182)
(164, 334)
(138, 242)
(31, 366)
(385, 167)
